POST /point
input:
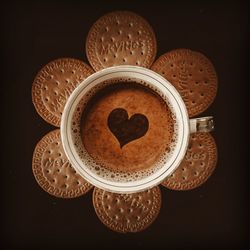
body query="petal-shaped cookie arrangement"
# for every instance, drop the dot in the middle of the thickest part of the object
(123, 38)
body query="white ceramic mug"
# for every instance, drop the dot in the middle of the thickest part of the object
(78, 156)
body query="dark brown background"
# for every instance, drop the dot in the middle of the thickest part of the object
(212, 216)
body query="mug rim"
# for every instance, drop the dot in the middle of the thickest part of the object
(103, 183)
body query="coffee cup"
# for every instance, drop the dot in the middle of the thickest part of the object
(126, 128)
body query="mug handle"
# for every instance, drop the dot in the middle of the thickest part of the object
(201, 124)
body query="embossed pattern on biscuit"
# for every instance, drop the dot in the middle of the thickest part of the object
(126, 213)
(53, 85)
(121, 38)
(197, 166)
(192, 74)
(52, 170)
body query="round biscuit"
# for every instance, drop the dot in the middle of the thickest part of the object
(52, 170)
(54, 83)
(192, 74)
(197, 166)
(121, 38)
(126, 213)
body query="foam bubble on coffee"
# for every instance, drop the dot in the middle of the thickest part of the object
(100, 168)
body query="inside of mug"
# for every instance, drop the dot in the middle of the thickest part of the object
(97, 170)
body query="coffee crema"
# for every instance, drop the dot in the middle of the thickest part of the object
(126, 127)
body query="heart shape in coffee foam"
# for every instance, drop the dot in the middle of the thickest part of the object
(124, 129)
